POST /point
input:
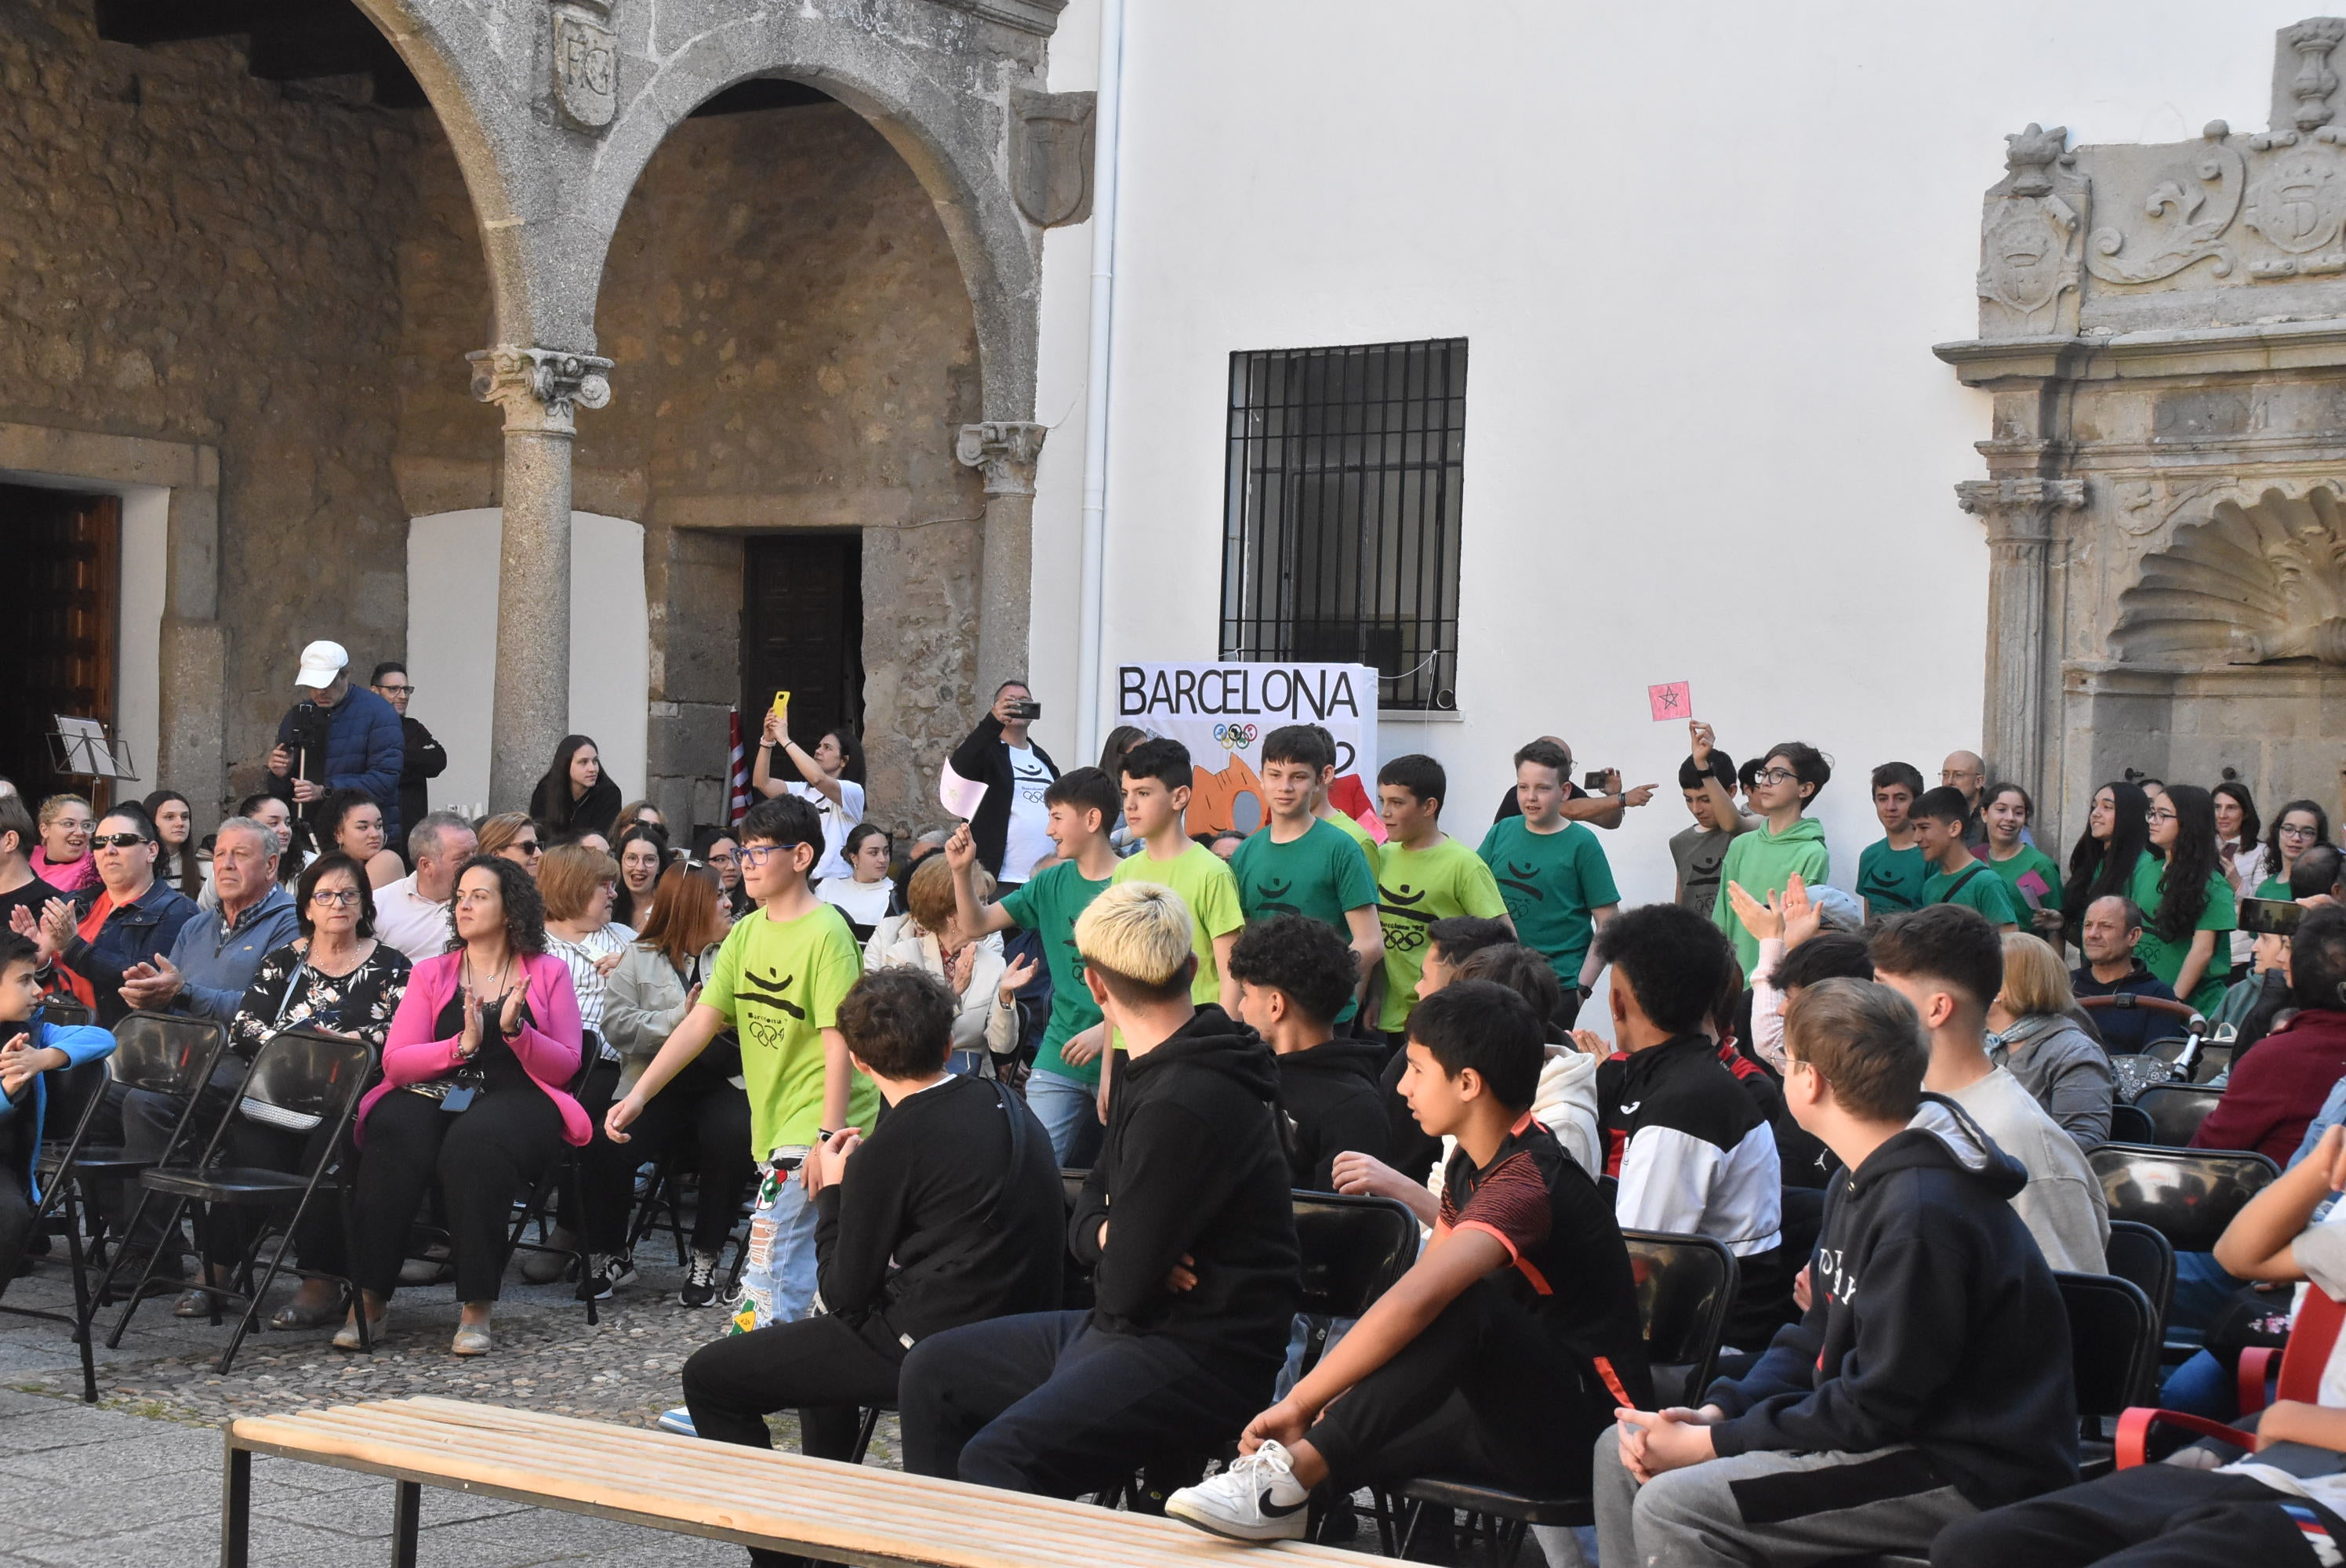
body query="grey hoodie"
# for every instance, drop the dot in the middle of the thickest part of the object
(2066, 1068)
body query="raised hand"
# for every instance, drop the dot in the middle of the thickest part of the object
(509, 1018)
(961, 849)
(1798, 914)
(1014, 978)
(468, 1044)
(1764, 922)
(1700, 739)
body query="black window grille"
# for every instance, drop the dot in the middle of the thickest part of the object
(1341, 543)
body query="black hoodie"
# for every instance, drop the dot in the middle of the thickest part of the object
(1335, 1101)
(1934, 1322)
(1192, 1164)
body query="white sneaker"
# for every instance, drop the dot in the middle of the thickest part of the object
(679, 1420)
(1258, 1497)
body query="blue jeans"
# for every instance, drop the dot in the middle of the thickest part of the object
(1069, 1113)
(2202, 1290)
(794, 1259)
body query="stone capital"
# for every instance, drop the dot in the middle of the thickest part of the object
(1006, 451)
(540, 388)
(2018, 510)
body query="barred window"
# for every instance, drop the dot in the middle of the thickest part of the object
(1340, 542)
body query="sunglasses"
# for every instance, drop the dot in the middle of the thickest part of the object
(118, 840)
(529, 847)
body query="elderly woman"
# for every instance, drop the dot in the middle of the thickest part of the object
(334, 979)
(64, 860)
(513, 836)
(475, 1098)
(2034, 1032)
(706, 1104)
(350, 823)
(928, 936)
(576, 884)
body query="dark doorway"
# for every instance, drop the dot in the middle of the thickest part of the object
(59, 646)
(802, 632)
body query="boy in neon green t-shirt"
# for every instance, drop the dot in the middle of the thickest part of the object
(1424, 875)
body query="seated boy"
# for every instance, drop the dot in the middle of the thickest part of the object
(1295, 975)
(1194, 1281)
(1493, 1358)
(950, 1213)
(1931, 1375)
(29, 1052)
(1449, 942)
(2267, 1507)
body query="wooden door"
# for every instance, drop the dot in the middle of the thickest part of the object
(59, 643)
(802, 632)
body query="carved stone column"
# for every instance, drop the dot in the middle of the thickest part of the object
(540, 391)
(2021, 662)
(1005, 451)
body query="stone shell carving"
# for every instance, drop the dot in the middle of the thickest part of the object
(2260, 579)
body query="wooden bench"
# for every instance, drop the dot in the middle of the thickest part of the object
(783, 1501)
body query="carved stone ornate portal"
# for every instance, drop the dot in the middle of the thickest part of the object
(2163, 330)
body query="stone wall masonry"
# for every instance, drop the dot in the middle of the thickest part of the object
(191, 254)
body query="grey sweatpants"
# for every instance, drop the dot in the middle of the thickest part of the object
(1782, 1510)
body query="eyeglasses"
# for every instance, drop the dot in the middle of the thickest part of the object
(756, 854)
(118, 840)
(722, 860)
(335, 896)
(2159, 816)
(1774, 776)
(389, 690)
(2287, 831)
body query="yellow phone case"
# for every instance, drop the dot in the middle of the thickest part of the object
(781, 702)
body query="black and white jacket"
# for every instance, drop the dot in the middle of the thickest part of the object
(1690, 1149)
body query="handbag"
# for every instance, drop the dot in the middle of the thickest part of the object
(262, 1111)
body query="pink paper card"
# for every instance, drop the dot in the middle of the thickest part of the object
(958, 795)
(1672, 703)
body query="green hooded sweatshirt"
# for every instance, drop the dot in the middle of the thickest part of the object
(1762, 862)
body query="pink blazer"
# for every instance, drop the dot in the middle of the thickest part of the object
(549, 1048)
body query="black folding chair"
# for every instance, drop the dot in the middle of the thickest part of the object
(2175, 1110)
(162, 1053)
(2129, 1125)
(2140, 1255)
(1354, 1249)
(301, 1072)
(1686, 1287)
(2188, 1195)
(61, 1194)
(2113, 1353)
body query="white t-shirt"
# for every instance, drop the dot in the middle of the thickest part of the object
(409, 922)
(865, 904)
(836, 820)
(1025, 840)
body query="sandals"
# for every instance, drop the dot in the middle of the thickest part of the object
(293, 1315)
(346, 1337)
(196, 1301)
(470, 1340)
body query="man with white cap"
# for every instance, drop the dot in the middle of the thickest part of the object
(338, 737)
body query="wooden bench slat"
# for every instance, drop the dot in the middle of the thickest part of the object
(816, 1505)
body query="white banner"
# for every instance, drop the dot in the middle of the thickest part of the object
(1222, 712)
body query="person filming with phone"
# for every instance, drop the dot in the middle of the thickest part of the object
(1012, 823)
(830, 778)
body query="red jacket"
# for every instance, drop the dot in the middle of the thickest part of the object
(2278, 1086)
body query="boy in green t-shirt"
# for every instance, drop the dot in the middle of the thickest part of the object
(1788, 842)
(1424, 875)
(1066, 1076)
(1552, 875)
(1892, 871)
(1299, 864)
(1959, 877)
(777, 982)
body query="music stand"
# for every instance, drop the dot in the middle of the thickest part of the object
(86, 748)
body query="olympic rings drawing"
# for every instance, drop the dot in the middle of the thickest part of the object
(1235, 736)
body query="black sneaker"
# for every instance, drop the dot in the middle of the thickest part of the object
(700, 1280)
(606, 1272)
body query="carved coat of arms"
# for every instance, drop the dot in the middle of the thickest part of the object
(585, 71)
(1051, 157)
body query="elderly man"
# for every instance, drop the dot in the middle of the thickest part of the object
(425, 758)
(337, 737)
(103, 932)
(2112, 927)
(411, 913)
(212, 960)
(1965, 772)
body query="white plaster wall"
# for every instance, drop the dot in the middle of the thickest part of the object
(1701, 255)
(452, 644)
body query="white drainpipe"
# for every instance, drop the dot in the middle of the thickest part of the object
(1092, 606)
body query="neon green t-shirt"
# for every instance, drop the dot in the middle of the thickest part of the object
(1359, 835)
(779, 983)
(1888, 879)
(2164, 958)
(1048, 906)
(1414, 889)
(1203, 879)
(1550, 882)
(1986, 893)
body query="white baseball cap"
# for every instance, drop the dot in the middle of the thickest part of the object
(321, 663)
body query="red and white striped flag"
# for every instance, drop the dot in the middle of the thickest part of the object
(737, 774)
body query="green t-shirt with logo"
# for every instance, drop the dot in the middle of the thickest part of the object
(1888, 879)
(2164, 958)
(1414, 889)
(1048, 905)
(1986, 893)
(2034, 877)
(1550, 882)
(1203, 879)
(780, 983)
(1321, 874)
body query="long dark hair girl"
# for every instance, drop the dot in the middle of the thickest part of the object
(2280, 858)
(568, 814)
(178, 863)
(2191, 861)
(2098, 868)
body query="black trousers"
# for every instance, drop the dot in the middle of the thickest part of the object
(1485, 1394)
(15, 1197)
(318, 1239)
(481, 1158)
(822, 1367)
(1044, 1402)
(700, 1109)
(2152, 1516)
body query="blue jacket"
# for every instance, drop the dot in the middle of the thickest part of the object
(81, 1043)
(216, 961)
(366, 749)
(133, 933)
